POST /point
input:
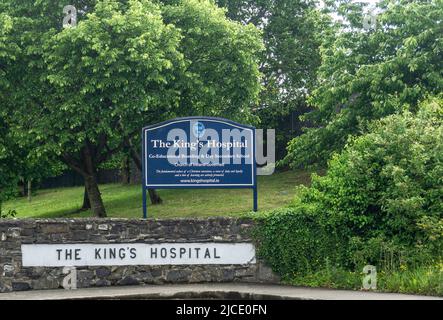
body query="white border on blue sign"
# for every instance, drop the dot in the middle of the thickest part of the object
(199, 185)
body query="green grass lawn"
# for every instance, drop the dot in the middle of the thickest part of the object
(125, 201)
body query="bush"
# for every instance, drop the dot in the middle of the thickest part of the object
(381, 203)
(293, 242)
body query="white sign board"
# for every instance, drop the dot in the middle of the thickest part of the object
(79, 255)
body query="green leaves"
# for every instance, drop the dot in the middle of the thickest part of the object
(137, 63)
(380, 202)
(368, 75)
(82, 92)
(292, 32)
(221, 57)
(385, 181)
(8, 49)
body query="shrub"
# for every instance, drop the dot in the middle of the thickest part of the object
(381, 202)
(294, 242)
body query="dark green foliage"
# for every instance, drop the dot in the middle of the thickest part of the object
(293, 242)
(381, 202)
(369, 74)
(292, 33)
(8, 162)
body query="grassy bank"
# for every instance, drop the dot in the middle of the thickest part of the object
(125, 201)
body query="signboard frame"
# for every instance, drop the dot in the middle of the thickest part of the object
(146, 186)
(137, 254)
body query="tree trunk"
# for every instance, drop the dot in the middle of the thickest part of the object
(86, 164)
(91, 182)
(153, 195)
(94, 196)
(86, 203)
(155, 198)
(22, 187)
(125, 171)
(29, 190)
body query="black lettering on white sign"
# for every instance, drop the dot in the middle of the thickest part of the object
(72, 255)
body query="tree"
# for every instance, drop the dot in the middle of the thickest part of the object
(126, 65)
(292, 33)
(368, 74)
(8, 162)
(18, 161)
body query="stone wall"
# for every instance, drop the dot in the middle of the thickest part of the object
(14, 233)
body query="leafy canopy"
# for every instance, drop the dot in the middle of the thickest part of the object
(292, 34)
(369, 74)
(106, 73)
(83, 93)
(8, 161)
(128, 64)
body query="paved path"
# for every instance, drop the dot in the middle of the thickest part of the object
(234, 291)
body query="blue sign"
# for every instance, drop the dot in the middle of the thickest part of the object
(198, 152)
